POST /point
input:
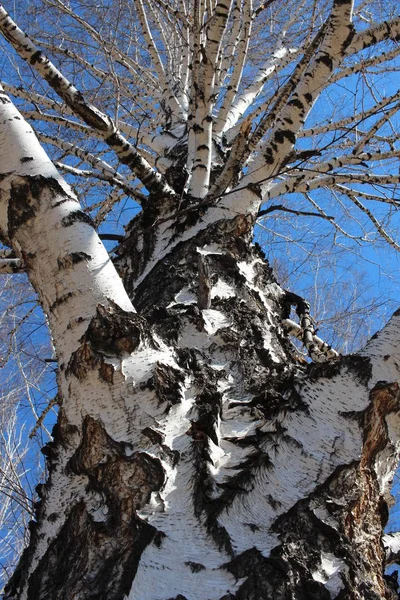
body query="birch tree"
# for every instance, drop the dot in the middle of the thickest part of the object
(196, 455)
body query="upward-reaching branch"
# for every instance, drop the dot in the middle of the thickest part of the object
(208, 55)
(238, 158)
(165, 81)
(290, 119)
(75, 100)
(221, 120)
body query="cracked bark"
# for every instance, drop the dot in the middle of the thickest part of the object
(195, 456)
(228, 423)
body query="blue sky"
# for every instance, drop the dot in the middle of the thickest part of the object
(329, 270)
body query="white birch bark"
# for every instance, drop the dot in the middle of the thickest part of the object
(197, 456)
(291, 120)
(203, 121)
(61, 231)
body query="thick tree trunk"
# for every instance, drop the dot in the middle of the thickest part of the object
(196, 455)
(221, 467)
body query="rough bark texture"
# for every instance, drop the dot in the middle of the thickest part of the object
(197, 455)
(211, 488)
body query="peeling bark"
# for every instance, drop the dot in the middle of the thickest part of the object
(237, 472)
(197, 456)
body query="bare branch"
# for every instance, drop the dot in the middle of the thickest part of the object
(292, 211)
(318, 350)
(106, 172)
(388, 30)
(89, 113)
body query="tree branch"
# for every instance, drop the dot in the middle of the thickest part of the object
(207, 55)
(127, 153)
(374, 35)
(106, 172)
(353, 120)
(282, 208)
(306, 180)
(167, 92)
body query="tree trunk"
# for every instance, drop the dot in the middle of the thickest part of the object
(197, 456)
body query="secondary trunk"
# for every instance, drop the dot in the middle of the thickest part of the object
(196, 455)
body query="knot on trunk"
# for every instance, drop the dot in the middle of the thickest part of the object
(114, 470)
(112, 332)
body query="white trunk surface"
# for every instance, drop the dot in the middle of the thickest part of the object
(196, 455)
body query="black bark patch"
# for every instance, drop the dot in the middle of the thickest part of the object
(155, 436)
(361, 366)
(241, 483)
(62, 201)
(188, 220)
(98, 453)
(23, 205)
(206, 509)
(36, 56)
(114, 140)
(67, 261)
(272, 402)
(195, 567)
(274, 578)
(176, 177)
(325, 59)
(25, 198)
(167, 382)
(83, 360)
(111, 332)
(75, 217)
(106, 372)
(296, 102)
(188, 359)
(208, 405)
(269, 156)
(116, 332)
(285, 134)
(141, 233)
(61, 300)
(171, 325)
